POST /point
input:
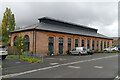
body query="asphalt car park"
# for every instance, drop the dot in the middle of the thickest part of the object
(98, 65)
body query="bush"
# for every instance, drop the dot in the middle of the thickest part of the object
(34, 60)
(57, 53)
(12, 56)
(39, 61)
(24, 58)
(48, 53)
(29, 60)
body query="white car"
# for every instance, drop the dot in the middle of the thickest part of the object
(3, 52)
(79, 51)
(111, 49)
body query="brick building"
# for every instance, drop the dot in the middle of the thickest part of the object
(116, 41)
(58, 36)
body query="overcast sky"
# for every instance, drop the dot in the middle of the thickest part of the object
(100, 15)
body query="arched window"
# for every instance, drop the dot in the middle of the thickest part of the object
(27, 42)
(15, 40)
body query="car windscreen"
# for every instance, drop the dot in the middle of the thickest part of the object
(84, 48)
(73, 49)
(2, 48)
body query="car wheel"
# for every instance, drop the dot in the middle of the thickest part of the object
(3, 57)
(80, 54)
(91, 53)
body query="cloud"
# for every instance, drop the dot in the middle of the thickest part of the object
(99, 15)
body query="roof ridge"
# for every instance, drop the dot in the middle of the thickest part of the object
(66, 22)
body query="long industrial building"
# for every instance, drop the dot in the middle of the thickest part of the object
(59, 36)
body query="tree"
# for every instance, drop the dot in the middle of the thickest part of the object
(8, 24)
(17, 28)
(20, 45)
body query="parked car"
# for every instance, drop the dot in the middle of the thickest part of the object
(3, 52)
(119, 48)
(79, 51)
(89, 51)
(111, 49)
(107, 49)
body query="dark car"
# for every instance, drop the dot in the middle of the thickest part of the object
(119, 48)
(89, 51)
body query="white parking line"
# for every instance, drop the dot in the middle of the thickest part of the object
(53, 63)
(99, 67)
(62, 59)
(50, 67)
(76, 67)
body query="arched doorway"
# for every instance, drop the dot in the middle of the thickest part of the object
(15, 40)
(27, 42)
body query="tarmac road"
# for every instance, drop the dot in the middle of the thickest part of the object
(99, 65)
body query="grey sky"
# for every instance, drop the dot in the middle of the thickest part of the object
(100, 15)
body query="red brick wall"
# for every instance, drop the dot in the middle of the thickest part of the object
(42, 41)
(29, 33)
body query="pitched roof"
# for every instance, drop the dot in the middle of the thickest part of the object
(61, 29)
(57, 20)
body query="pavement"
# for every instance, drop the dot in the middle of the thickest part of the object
(98, 65)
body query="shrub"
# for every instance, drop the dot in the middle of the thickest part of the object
(34, 60)
(39, 61)
(48, 53)
(22, 59)
(57, 53)
(12, 56)
(29, 60)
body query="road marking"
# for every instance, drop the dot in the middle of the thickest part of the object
(53, 63)
(17, 62)
(99, 67)
(50, 67)
(76, 67)
(62, 59)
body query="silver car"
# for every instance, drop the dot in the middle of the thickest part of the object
(79, 51)
(3, 52)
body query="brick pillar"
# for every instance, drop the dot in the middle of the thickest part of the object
(72, 43)
(79, 42)
(85, 43)
(31, 42)
(110, 43)
(12, 40)
(56, 45)
(65, 46)
(106, 44)
(95, 46)
(103, 45)
(99, 45)
(91, 44)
